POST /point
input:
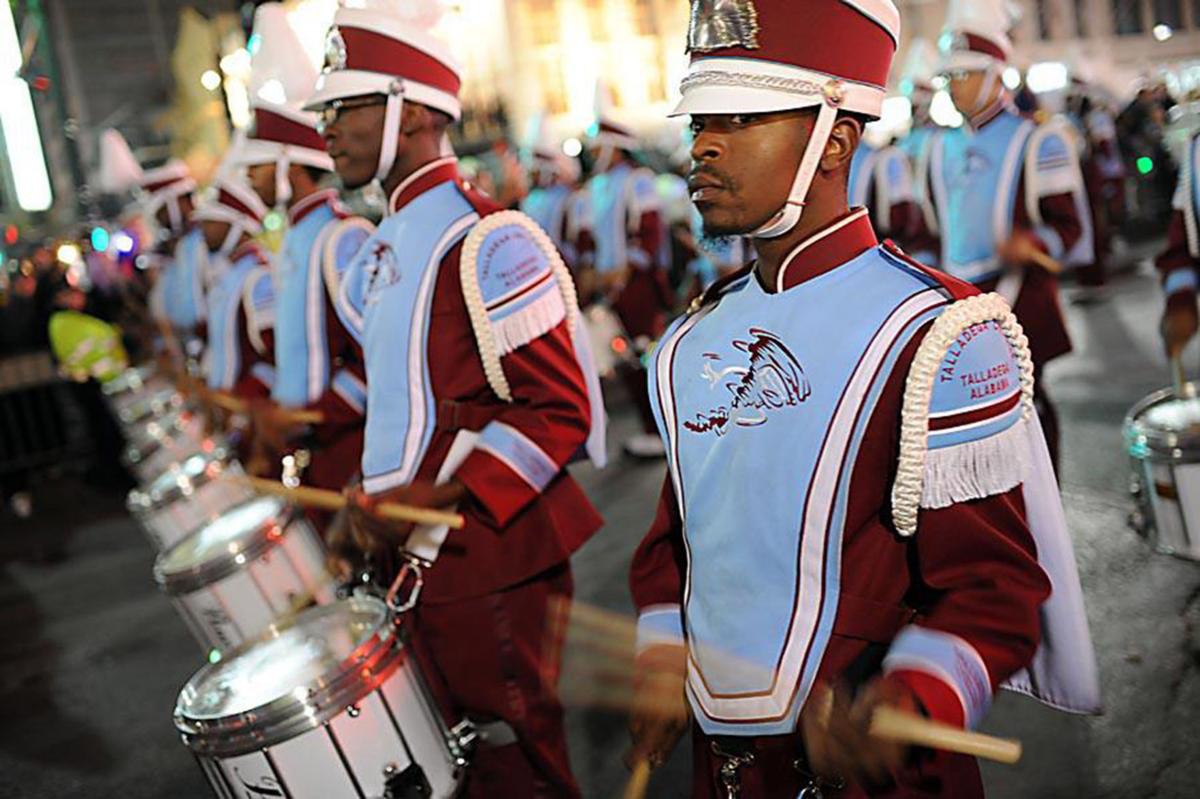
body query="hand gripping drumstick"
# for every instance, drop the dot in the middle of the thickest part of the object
(639, 781)
(608, 638)
(332, 500)
(1043, 260)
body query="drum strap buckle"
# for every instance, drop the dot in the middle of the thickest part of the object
(405, 590)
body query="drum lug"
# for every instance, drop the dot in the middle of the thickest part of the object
(462, 740)
(408, 783)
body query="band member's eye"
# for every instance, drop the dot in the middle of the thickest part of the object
(696, 125)
(741, 120)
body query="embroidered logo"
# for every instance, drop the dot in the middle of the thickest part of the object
(335, 51)
(773, 380)
(382, 270)
(715, 24)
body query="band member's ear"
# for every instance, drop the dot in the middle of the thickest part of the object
(843, 141)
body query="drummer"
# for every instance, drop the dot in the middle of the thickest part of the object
(472, 375)
(318, 366)
(1179, 263)
(241, 296)
(792, 550)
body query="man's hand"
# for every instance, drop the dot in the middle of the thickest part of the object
(1179, 324)
(837, 738)
(372, 533)
(660, 714)
(1020, 249)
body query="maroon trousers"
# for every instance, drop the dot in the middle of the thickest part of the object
(492, 658)
(776, 773)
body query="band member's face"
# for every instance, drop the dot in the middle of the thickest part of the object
(262, 180)
(743, 166)
(965, 88)
(214, 233)
(353, 137)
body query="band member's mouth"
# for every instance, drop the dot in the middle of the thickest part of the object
(705, 188)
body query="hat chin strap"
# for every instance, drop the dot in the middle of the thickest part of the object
(174, 214)
(789, 216)
(283, 182)
(389, 147)
(236, 229)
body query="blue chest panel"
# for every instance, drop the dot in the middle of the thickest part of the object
(548, 207)
(913, 144)
(224, 339)
(979, 175)
(609, 196)
(862, 171)
(393, 278)
(758, 401)
(301, 344)
(184, 291)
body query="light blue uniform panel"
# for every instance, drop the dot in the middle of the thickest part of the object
(862, 171)
(978, 171)
(389, 286)
(611, 194)
(753, 388)
(224, 342)
(548, 207)
(301, 344)
(185, 291)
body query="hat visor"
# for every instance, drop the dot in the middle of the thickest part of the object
(256, 152)
(343, 83)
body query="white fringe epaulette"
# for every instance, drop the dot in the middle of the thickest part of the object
(498, 338)
(977, 469)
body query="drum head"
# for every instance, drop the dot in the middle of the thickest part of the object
(295, 677)
(1165, 425)
(236, 534)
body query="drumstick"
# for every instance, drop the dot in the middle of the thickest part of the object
(332, 500)
(1045, 262)
(638, 781)
(896, 725)
(1178, 378)
(238, 405)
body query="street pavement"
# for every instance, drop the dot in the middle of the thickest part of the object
(92, 656)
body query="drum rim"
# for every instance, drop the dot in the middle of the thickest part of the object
(287, 717)
(215, 569)
(145, 501)
(132, 379)
(158, 403)
(1161, 445)
(146, 447)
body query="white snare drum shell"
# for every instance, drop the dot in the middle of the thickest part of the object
(311, 724)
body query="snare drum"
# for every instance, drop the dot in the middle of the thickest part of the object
(1162, 433)
(328, 705)
(148, 407)
(164, 441)
(235, 576)
(189, 494)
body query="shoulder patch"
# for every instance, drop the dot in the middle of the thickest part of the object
(968, 395)
(516, 288)
(258, 301)
(1051, 166)
(342, 243)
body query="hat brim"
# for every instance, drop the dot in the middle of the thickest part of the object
(342, 84)
(744, 86)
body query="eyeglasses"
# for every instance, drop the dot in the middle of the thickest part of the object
(332, 111)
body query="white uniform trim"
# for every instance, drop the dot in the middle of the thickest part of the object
(909, 490)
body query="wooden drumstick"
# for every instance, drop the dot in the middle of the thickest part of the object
(638, 781)
(897, 725)
(1178, 378)
(1043, 260)
(331, 500)
(238, 405)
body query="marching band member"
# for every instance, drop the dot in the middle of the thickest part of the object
(240, 296)
(1006, 189)
(555, 184)
(881, 181)
(169, 201)
(916, 81)
(624, 248)
(1179, 263)
(318, 365)
(477, 396)
(892, 494)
